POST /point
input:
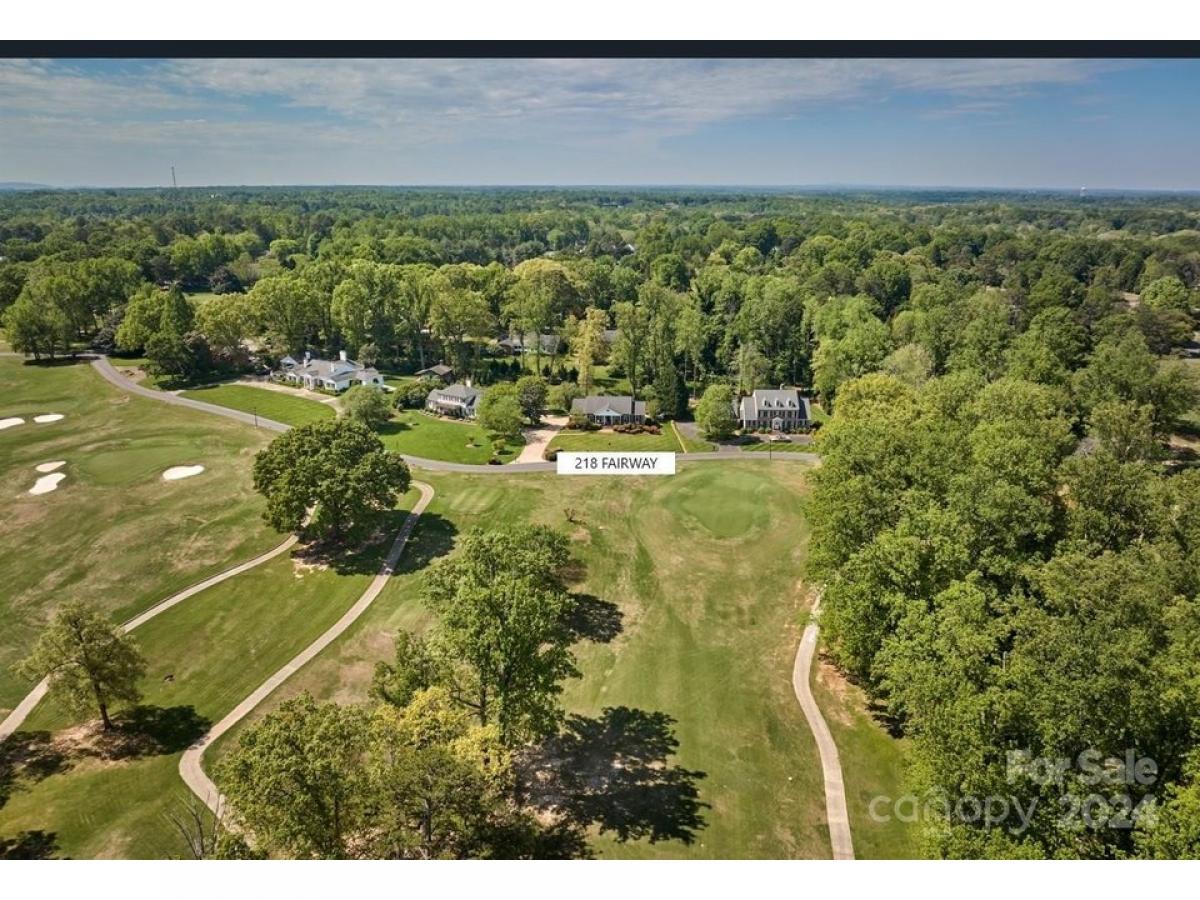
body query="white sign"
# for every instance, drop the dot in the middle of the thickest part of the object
(612, 463)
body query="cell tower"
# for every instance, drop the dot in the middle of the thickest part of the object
(174, 184)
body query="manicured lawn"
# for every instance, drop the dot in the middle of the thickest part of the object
(113, 533)
(204, 656)
(129, 362)
(612, 440)
(420, 434)
(689, 445)
(266, 403)
(709, 602)
(777, 447)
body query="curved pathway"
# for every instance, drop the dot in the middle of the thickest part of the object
(20, 713)
(831, 765)
(191, 769)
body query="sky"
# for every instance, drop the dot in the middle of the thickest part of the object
(1054, 123)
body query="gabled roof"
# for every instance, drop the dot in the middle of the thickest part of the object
(329, 369)
(604, 405)
(765, 403)
(462, 392)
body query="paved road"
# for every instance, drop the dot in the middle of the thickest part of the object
(191, 768)
(114, 376)
(21, 712)
(831, 765)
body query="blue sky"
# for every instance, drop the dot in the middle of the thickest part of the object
(985, 123)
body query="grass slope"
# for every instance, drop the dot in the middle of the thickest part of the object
(204, 656)
(420, 434)
(114, 532)
(267, 403)
(703, 568)
(612, 440)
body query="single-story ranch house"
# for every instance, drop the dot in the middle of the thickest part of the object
(453, 400)
(781, 410)
(326, 374)
(605, 410)
(440, 371)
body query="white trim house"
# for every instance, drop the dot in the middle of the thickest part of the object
(608, 411)
(325, 374)
(781, 410)
(453, 400)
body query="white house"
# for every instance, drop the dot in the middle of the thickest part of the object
(453, 400)
(325, 374)
(781, 410)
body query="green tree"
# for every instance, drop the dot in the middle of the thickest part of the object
(37, 329)
(531, 395)
(714, 412)
(296, 779)
(502, 604)
(367, 405)
(338, 469)
(499, 410)
(89, 662)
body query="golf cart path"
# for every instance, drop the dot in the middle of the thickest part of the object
(113, 375)
(831, 767)
(20, 713)
(191, 768)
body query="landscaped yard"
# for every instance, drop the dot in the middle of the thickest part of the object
(614, 440)
(420, 434)
(777, 447)
(291, 410)
(114, 532)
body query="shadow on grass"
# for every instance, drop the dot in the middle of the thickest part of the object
(28, 757)
(612, 772)
(432, 537)
(153, 731)
(593, 619)
(29, 845)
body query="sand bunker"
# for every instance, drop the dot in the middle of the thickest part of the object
(50, 466)
(9, 423)
(47, 417)
(47, 483)
(176, 472)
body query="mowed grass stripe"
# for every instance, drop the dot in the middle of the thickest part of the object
(264, 402)
(204, 656)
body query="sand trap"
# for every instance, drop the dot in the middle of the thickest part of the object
(9, 423)
(50, 466)
(176, 472)
(47, 417)
(47, 483)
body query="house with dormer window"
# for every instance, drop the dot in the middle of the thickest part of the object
(779, 410)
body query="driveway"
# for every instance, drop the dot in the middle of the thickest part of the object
(537, 439)
(114, 376)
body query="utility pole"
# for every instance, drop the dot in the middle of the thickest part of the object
(174, 184)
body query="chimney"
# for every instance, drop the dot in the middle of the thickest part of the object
(342, 355)
(468, 382)
(306, 357)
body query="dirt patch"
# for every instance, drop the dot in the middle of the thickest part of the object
(839, 689)
(302, 566)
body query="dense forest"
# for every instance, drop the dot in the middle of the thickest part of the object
(1008, 536)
